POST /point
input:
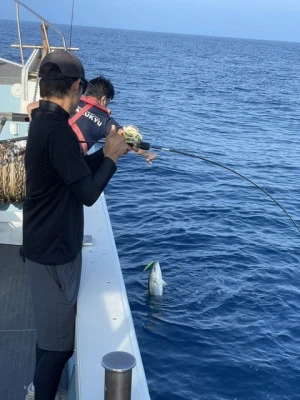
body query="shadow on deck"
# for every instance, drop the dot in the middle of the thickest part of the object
(17, 331)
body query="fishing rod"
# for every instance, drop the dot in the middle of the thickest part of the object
(146, 146)
(230, 170)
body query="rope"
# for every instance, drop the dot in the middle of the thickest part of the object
(12, 173)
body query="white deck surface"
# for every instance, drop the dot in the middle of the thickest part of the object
(104, 321)
(11, 223)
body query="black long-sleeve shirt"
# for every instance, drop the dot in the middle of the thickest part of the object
(59, 181)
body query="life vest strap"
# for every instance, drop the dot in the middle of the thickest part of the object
(77, 130)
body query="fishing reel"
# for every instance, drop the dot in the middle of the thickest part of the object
(133, 137)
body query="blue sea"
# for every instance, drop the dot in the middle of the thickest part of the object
(228, 324)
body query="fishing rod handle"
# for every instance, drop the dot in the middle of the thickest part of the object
(144, 146)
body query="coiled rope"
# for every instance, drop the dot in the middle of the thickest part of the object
(12, 172)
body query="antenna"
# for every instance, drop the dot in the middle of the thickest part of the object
(72, 16)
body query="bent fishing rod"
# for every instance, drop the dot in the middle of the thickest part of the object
(230, 170)
(146, 146)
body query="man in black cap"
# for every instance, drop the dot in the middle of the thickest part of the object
(59, 181)
(92, 120)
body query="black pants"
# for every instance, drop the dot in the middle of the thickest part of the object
(48, 370)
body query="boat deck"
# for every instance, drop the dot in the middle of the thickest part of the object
(10, 72)
(104, 322)
(17, 333)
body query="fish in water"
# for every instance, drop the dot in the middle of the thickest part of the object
(155, 282)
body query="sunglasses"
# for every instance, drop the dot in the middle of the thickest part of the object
(83, 83)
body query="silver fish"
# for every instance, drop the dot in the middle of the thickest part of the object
(155, 282)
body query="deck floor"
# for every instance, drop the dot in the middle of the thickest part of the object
(17, 332)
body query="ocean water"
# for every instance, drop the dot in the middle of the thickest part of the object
(228, 324)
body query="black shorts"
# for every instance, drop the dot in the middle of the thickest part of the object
(54, 290)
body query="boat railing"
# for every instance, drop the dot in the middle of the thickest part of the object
(45, 47)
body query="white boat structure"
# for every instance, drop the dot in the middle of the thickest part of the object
(104, 322)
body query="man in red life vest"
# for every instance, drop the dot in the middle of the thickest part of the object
(92, 120)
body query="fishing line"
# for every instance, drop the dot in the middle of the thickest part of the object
(146, 146)
(230, 170)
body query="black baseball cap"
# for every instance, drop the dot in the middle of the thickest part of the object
(69, 65)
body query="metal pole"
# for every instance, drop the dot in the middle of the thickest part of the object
(118, 373)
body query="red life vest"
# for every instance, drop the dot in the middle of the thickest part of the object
(90, 102)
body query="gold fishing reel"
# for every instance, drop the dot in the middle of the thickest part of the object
(134, 138)
(132, 135)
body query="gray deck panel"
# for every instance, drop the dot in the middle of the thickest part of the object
(10, 73)
(17, 331)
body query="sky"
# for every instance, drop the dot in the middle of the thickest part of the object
(253, 19)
